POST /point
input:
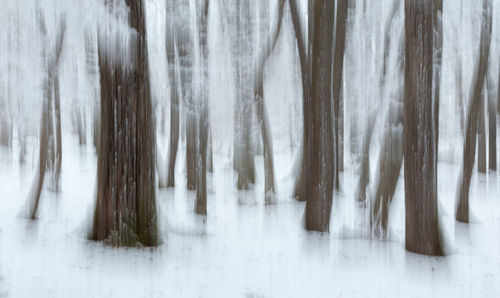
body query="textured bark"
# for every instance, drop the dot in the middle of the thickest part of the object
(319, 201)
(338, 67)
(479, 75)
(421, 208)
(125, 213)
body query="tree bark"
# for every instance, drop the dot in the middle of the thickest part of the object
(269, 187)
(319, 201)
(302, 185)
(481, 135)
(479, 75)
(492, 123)
(364, 177)
(338, 67)
(125, 213)
(421, 208)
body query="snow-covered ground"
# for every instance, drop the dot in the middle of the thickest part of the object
(248, 249)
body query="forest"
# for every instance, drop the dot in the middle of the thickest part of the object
(249, 148)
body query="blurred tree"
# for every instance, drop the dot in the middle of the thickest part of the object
(125, 211)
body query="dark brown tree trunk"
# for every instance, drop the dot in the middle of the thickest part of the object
(202, 150)
(479, 75)
(319, 201)
(125, 212)
(492, 125)
(421, 208)
(338, 67)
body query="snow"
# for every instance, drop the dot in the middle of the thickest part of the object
(248, 249)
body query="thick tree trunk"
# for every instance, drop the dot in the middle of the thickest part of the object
(319, 201)
(338, 67)
(479, 75)
(125, 212)
(422, 227)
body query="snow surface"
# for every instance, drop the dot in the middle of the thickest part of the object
(248, 249)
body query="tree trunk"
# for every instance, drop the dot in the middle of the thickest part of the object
(364, 177)
(302, 185)
(174, 120)
(125, 213)
(36, 188)
(57, 110)
(269, 187)
(479, 75)
(437, 23)
(421, 208)
(338, 66)
(319, 202)
(201, 177)
(481, 135)
(492, 123)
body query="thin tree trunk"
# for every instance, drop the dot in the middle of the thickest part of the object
(421, 208)
(174, 121)
(201, 178)
(302, 185)
(269, 188)
(479, 75)
(36, 188)
(364, 177)
(492, 123)
(338, 67)
(481, 136)
(57, 110)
